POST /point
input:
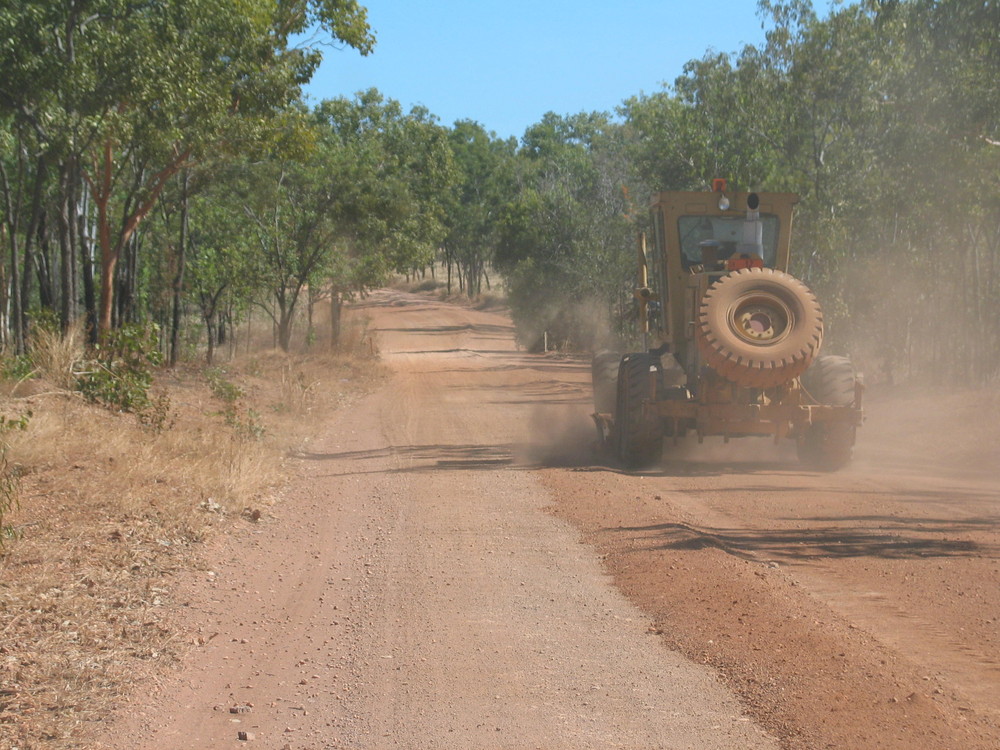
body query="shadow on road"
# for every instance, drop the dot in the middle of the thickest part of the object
(895, 538)
(419, 458)
(474, 328)
(426, 458)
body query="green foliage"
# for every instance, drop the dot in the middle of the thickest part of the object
(566, 238)
(10, 478)
(246, 424)
(120, 371)
(883, 116)
(244, 421)
(368, 200)
(113, 98)
(17, 367)
(484, 182)
(223, 389)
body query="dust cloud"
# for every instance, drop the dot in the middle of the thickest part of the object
(925, 432)
(924, 413)
(744, 454)
(558, 436)
(561, 437)
(920, 433)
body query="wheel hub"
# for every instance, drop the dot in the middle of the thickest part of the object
(760, 321)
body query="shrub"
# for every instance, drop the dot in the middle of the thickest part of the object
(10, 477)
(120, 372)
(221, 388)
(54, 354)
(17, 367)
(245, 422)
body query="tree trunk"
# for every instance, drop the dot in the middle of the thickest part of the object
(43, 266)
(4, 296)
(109, 252)
(282, 330)
(89, 287)
(336, 310)
(222, 327)
(12, 287)
(285, 331)
(175, 327)
(310, 331)
(68, 244)
(210, 330)
(128, 281)
(447, 262)
(101, 187)
(28, 250)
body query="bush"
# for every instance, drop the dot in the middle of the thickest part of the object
(10, 477)
(17, 367)
(55, 354)
(120, 372)
(244, 421)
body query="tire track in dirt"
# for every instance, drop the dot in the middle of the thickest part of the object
(414, 592)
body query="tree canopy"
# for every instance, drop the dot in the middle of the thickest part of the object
(159, 164)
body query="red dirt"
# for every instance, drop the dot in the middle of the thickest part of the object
(420, 586)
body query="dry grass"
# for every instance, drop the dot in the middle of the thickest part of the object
(110, 510)
(54, 356)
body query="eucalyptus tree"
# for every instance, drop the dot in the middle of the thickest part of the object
(364, 198)
(888, 114)
(289, 205)
(484, 163)
(393, 173)
(121, 96)
(14, 186)
(222, 271)
(567, 234)
(656, 142)
(939, 183)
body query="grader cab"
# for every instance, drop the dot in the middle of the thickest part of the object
(731, 339)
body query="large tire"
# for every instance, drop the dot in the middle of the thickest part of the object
(759, 327)
(827, 446)
(638, 437)
(604, 374)
(830, 380)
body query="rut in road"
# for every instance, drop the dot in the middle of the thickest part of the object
(415, 593)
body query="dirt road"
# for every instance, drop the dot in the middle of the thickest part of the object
(441, 575)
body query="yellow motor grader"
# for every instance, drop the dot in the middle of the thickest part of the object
(731, 339)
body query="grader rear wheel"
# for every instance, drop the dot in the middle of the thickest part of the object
(827, 446)
(759, 327)
(830, 380)
(604, 375)
(638, 437)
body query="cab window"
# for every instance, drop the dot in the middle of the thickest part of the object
(727, 233)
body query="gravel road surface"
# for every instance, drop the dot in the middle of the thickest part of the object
(414, 591)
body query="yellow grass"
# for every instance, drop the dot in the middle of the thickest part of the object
(110, 510)
(54, 355)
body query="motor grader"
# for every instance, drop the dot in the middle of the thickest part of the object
(731, 340)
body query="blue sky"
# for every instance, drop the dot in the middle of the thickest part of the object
(505, 64)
